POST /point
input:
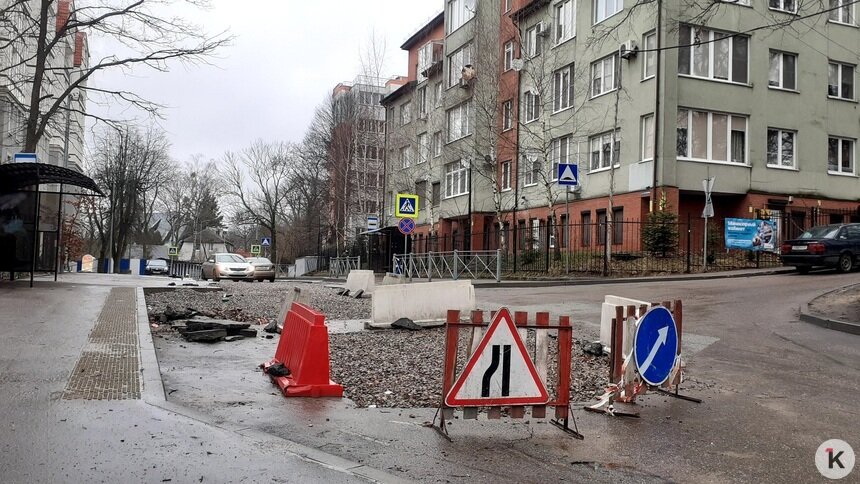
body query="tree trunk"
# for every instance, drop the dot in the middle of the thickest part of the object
(31, 139)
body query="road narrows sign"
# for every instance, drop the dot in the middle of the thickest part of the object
(655, 346)
(499, 372)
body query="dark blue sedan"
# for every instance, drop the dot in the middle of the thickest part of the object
(824, 246)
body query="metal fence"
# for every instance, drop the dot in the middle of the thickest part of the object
(474, 264)
(184, 269)
(340, 266)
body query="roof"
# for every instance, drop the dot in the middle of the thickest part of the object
(424, 31)
(528, 9)
(15, 176)
(404, 89)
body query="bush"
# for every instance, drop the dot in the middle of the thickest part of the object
(660, 233)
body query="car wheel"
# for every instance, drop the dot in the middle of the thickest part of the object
(846, 263)
(272, 280)
(803, 269)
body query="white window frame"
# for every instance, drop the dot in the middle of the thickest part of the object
(509, 56)
(707, 41)
(423, 147)
(507, 115)
(422, 102)
(405, 113)
(600, 141)
(405, 156)
(843, 15)
(604, 9)
(562, 96)
(457, 61)
(649, 57)
(839, 170)
(647, 136)
(560, 152)
(709, 141)
(456, 179)
(780, 154)
(781, 5)
(437, 144)
(598, 72)
(532, 106)
(425, 60)
(508, 4)
(437, 94)
(564, 21)
(459, 12)
(778, 57)
(506, 175)
(533, 41)
(460, 115)
(531, 171)
(840, 67)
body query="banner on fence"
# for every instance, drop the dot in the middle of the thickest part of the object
(750, 234)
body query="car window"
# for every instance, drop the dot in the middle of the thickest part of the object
(229, 258)
(852, 232)
(158, 263)
(262, 260)
(823, 232)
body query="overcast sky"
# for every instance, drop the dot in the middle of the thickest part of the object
(287, 56)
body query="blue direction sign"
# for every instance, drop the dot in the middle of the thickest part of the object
(406, 226)
(266, 241)
(568, 174)
(655, 346)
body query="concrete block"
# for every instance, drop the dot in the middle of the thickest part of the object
(293, 295)
(360, 280)
(391, 278)
(424, 301)
(607, 312)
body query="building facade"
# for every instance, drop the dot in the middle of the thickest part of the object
(648, 99)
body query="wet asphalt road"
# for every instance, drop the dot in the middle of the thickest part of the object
(774, 388)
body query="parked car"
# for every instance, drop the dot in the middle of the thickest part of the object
(263, 269)
(826, 245)
(226, 266)
(156, 266)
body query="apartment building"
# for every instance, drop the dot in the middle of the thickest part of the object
(648, 99)
(68, 60)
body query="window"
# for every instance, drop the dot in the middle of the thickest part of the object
(708, 136)
(564, 231)
(531, 171)
(844, 14)
(421, 188)
(532, 108)
(603, 9)
(436, 190)
(459, 12)
(405, 113)
(437, 94)
(603, 78)
(423, 147)
(562, 88)
(712, 55)
(585, 229)
(840, 155)
(422, 102)
(437, 144)
(783, 69)
(425, 60)
(456, 62)
(506, 175)
(509, 55)
(560, 152)
(780, 148)
(458, 122)
(456, 179)
(649, 45)
(840, 80)
(406, 157)
(507, 5)
(647, 151)
(533, 41)
(390, 203)
(565, 21)
(789, 6)
(601, 227)
(617, 225)
(601, 150)
(507, 115)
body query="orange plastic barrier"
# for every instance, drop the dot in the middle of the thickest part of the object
(303, 349)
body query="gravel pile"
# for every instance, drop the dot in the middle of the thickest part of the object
(256, 303)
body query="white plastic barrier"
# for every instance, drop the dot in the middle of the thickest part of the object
(607, 312)
(360, 280)
(391, 278)
(423, 301)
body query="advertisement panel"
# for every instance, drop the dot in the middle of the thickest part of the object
(751, 234)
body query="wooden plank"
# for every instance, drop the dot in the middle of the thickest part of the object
(518, 412)
(494, 413)
(678, 313)
(565, 340)
(477, 331)
(451, 341)
(470, 413)
(539, 411)
(617, 344)
(542, 347)
(521, 321)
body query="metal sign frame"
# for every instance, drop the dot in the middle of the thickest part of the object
(398, 204)
(574, 168)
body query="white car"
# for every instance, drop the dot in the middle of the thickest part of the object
(227, 266)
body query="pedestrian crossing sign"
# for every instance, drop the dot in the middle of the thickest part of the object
(406, 205)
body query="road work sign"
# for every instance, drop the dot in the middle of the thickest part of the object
(655, 346)
(499, 372)
(406, 206)
(255, 250)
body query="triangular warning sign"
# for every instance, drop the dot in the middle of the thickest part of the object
(567, 175)
(406, 206)
(499, 372)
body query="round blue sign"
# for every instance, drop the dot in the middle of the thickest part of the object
(655, 345)
(406, 226)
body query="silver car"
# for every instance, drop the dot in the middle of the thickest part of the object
(263, 269)
(227, 266)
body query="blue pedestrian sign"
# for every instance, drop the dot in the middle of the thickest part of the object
(568, 174)
(655, 346)
(406, 205)
(406, 226)
(266, 241)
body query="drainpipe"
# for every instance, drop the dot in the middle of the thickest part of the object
(657, 119)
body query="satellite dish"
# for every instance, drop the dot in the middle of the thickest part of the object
(517, 64)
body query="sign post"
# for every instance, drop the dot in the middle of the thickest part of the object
(708, 212)
(568, 176)
(406, 208)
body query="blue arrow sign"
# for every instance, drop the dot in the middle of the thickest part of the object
(568, 174)
(655, 346)
(266, 241)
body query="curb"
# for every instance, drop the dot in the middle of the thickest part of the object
(153, 394)
(632, 280)
(806, 315)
